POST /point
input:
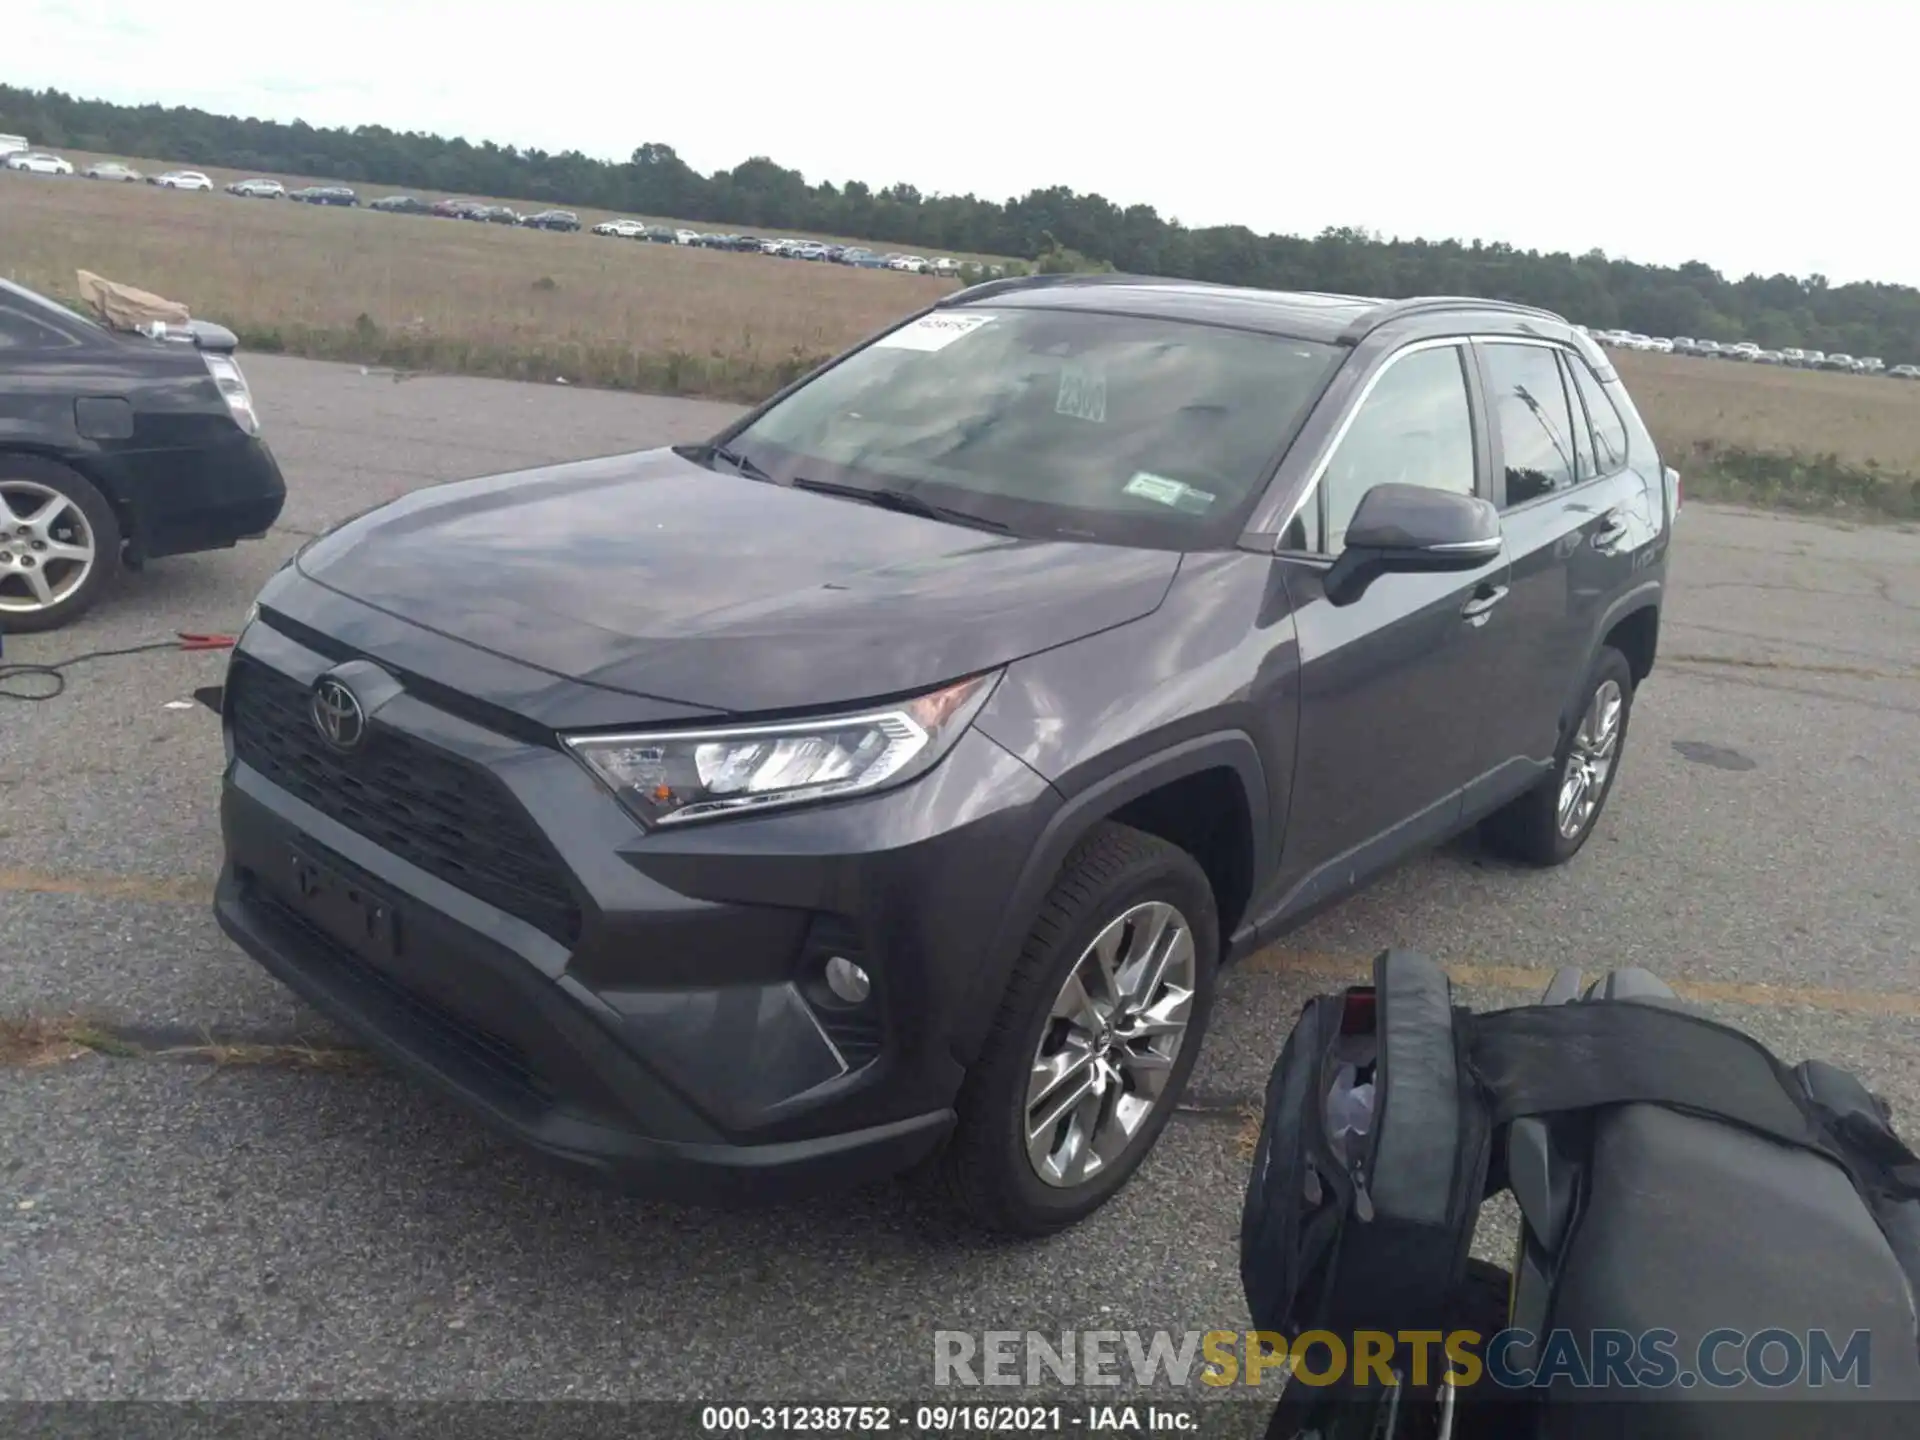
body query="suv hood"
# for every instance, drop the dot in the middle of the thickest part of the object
(652, 575)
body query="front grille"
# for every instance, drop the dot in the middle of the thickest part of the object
(480, 1047)
(432, 809)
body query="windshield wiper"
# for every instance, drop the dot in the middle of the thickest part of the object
(905, 501)
(739, 462)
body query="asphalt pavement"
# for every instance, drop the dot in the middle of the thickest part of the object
(231, 1222)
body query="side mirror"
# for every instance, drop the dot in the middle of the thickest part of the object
(1413, 528)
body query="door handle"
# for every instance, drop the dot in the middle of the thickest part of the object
(1616, 531)
(1483, 600)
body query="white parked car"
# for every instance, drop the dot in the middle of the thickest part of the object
(39, 162)
(686, 237)
(946, 265)
(916, 263)
(625, 229)
(1661, 344)
(183, 180)
(110, 170)
(257, 189)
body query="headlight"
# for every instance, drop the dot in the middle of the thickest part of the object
(233, 388)
(670, 776)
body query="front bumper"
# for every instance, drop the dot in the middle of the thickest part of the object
(677, 1039)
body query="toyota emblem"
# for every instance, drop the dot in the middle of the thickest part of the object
(337, 714)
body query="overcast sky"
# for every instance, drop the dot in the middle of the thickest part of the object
(1756, 137)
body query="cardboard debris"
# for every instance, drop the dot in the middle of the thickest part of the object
(121, 307)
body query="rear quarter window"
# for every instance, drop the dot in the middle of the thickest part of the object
(1613, 441)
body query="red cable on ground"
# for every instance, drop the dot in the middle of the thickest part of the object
(54, 671)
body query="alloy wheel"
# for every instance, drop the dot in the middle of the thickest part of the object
(1590, 759)
(47, 547)
(1109, 1045)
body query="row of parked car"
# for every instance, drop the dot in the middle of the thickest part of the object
(1749, 352)
(261, 188)
(45, 162)
(858, 256)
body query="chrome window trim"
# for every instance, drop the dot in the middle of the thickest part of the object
(1339, 436)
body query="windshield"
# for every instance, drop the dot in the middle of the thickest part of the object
(1054, 423)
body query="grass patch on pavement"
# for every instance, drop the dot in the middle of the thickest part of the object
(29, 1042)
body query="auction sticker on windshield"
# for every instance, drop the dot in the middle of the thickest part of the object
(932, 332)
(1166, 491)
(1083, 394)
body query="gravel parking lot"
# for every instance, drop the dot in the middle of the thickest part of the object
(175, 1228)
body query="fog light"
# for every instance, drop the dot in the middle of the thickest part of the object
(847, 980)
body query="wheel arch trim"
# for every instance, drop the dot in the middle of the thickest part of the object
(1229, 749)
(1642, 597)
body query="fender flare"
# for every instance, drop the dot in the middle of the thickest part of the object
(1645, 596)
(1085, 808)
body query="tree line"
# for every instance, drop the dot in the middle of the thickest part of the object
(1045, 225)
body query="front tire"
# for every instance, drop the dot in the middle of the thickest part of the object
(59, 545)
(1100, 1026)
(1548, 825)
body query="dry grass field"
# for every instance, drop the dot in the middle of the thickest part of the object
(453, 295)
(1859, 418)
(589, 216)
(430, 294)
(1808, 440)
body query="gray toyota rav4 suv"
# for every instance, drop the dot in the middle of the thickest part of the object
(885, 781)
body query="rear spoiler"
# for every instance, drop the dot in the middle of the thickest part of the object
(202, 334)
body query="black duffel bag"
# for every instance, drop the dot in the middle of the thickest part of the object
(1361, 1207)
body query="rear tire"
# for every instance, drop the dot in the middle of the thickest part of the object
(1150, 906)
(1536, 828)
(27, 484)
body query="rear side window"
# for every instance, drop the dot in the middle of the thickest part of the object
(1534, 417)
(1609, 430)
(1583, 462)
(23, 332)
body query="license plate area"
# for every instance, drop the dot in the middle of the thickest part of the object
(349, 911)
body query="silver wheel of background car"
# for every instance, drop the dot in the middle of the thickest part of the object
(1109, 1044)
(1590, 759)
(47, 547)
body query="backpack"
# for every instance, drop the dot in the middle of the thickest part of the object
(1386, 1109)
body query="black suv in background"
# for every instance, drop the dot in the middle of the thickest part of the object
(324, 195)
(552, 220)
(892, 775)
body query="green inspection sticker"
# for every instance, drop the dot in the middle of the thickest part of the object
(1165, 491)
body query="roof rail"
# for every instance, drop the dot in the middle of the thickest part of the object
(1391, 310)
(1007, 284)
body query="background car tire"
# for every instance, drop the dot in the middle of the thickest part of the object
(1528, 828)
(106, 543)
(985, 1165)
